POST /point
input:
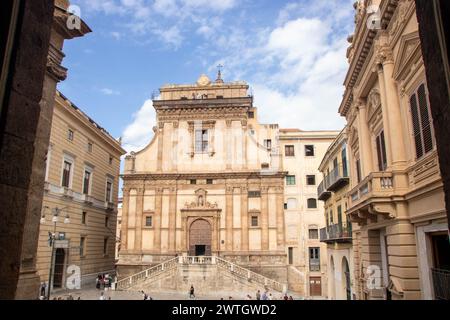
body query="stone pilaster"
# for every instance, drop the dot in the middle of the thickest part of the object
(138, 219)
(228, 144)
(265, 218)
(158, 215)
(244, 219)
(160, 146)
(172, 219)
(124, 225)
(229, 219)
(280, 217)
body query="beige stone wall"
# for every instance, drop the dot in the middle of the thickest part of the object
(391, 206)
(100, 221)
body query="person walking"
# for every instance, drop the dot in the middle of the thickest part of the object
(264, 296)
(43, 286)
(97, 282)
(258, 295)
(102, 296)
(192, 292)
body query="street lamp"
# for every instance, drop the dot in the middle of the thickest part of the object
(51, 240)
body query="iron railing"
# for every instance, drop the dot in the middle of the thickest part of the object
(338, 231)
(441, 283)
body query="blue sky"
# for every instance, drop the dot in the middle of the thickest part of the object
(292, 53)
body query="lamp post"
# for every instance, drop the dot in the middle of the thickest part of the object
(51, 241)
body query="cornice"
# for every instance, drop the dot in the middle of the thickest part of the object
(202, 175)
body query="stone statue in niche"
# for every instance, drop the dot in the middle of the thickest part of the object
(201, 202)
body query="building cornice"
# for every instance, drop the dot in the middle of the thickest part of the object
(203, 175)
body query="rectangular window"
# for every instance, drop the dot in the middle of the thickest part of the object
(312, 203)
(109, 186)
(268, 144)
(193, 181)
(254, 221)
(70, 135)
(251, 114)
(289, 151)
(87, 182)
(149, 221)
(105, 246)
(83, 217)
(90, 146)
(290, 255)
(290, 180)
(106, 221)
(309, 150)
(110, 160)
(209, 181)
(313, 233)
(82, 246)
(358, 170)
(201, 141)
(67, 170)
(314, 259)
(331, 217)
(381, 152)
(254, 194)
(311, 180)
(421, 120)
(339, 212)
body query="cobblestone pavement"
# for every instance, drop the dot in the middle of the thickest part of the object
(94, 294)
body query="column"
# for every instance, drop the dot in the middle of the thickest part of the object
(365, 143)
(385, 111)
(138, 227)
(244, 144)
(244, 219)
(172, 219)
(265, 218)
(124, 225)
(395, 120)
(158, 214)
(229, 219)
(280, 217)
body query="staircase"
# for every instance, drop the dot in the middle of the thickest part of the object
(168, 268)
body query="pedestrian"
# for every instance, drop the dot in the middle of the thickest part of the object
(192, 292)
(79, 298)
(270, 297)
(258, 295)
(70, 297)
(285, 297)
(43, 286)
(230, 298)
(264, 296)
(97, 282)
(290, 298)
(144, 295)
(248, 297)
(102, 296)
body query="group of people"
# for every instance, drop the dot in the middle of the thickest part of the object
(268, 296)
(104, 281)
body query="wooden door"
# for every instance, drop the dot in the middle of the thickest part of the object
(315, 286)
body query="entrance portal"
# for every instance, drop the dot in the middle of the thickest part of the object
(200, 235)
(58, 271)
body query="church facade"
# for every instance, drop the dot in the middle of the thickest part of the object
(210, 183)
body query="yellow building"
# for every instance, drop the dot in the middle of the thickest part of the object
(396, 198)
(80, 200)
(338, 231)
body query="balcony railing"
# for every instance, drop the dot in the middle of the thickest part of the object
(441, 283)
(314, 264)
(337, 178)
(337, 233)
(322, 192)
(377, 184)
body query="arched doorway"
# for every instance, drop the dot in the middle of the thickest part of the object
(331, 278)
(346, 279)
(200, 236)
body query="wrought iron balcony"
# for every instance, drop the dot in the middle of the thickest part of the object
(322, 192)
(441, 283)
(337, 178)
(337, 233)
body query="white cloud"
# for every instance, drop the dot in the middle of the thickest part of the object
(140, 132)
(171, 36)
(110, 92)
(116, 35)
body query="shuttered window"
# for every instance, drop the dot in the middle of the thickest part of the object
(66, 174)
(421, 120)
(381, 152)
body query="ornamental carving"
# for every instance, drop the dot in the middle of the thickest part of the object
(201, 202)
(383, 54)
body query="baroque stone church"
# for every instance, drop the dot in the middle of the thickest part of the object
(210, 184)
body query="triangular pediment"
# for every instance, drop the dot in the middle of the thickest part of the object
(409, 53)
